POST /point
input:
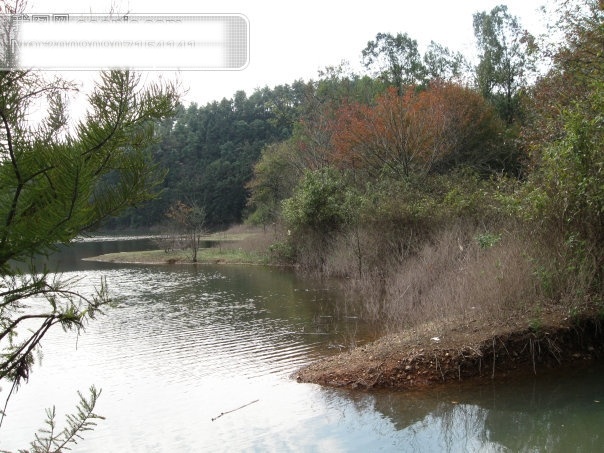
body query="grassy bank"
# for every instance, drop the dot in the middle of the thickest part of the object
(238, 245)
(204, 256)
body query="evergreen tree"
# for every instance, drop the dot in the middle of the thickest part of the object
(57, 182)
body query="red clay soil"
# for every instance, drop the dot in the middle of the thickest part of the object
(415, 359)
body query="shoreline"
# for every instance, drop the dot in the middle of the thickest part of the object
(434, 354)
(160, 257)
(462, 353)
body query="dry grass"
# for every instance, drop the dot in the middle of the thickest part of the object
(241, 244)
(455, 275)
(247, 239)
(204, 256)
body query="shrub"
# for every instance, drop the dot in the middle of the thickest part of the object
(318, 202)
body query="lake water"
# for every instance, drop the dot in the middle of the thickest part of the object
(185, 344)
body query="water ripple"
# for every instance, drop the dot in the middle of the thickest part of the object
(177, 338)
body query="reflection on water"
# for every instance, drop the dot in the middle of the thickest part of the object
(558, 412)
(186, 344)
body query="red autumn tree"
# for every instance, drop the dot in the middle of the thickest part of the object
(461, 129)
(445, 126)
(381, 137)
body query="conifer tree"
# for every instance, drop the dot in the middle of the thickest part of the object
(57, 181)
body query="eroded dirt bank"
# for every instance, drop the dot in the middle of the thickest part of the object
(416, 359)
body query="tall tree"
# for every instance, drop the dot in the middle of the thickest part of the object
(443, 64)
(395, 59)
(506, 58)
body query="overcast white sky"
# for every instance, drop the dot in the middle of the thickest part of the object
(293, 40)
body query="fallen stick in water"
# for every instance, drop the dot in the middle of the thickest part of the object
(233, 410)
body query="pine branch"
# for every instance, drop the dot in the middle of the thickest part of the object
(47, 440)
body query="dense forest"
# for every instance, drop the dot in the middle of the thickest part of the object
(426, 162)
(208, 153)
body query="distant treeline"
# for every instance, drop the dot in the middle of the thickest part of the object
(208, 153)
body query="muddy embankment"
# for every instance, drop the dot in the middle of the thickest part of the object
(413, 360)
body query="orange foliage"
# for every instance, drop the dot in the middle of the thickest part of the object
(383, 135)
(443, 126)
(463, 128)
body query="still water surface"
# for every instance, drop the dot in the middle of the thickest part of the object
(187, 343)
